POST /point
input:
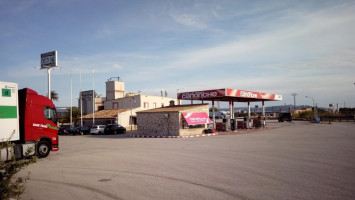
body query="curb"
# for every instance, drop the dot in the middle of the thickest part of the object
(189, 136)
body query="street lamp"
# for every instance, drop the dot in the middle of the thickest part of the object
(294, 101)
(314, 108)
(131, 118)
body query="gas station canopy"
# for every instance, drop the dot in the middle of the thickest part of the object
(227, 94)
(231, 96)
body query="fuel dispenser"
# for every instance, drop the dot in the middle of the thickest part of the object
(233, 123)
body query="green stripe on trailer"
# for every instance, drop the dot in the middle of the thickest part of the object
(8, 112)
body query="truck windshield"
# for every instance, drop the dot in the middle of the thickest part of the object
(50, 114)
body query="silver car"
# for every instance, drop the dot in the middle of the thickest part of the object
(97, 129)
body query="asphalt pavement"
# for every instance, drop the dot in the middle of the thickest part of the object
(297, 160)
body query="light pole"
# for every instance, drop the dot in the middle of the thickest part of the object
(314, 108)
(93, 97)
(71, 102)
(131, 118)
(294, 101)
(81, 105)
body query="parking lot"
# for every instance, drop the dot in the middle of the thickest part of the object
(297, 160)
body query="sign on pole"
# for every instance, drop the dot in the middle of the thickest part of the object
(49, 59)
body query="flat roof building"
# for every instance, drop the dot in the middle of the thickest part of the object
(175, 120)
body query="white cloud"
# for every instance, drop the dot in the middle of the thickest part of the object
(104, 32)
(316, 35)
(188, 20)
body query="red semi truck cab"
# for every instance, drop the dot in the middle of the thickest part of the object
(38, 121)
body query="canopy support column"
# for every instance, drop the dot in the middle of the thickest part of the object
(231, 109)
(263, 115)
(248, 118)
(213, 115)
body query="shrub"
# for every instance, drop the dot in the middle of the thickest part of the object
(11, 187)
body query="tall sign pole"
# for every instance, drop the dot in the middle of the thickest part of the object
(49, 60)
(49, 82)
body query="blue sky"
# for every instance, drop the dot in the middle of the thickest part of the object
(282, 47)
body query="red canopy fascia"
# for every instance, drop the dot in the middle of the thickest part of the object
(227, 94)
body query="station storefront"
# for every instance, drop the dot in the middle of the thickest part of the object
(231, 96)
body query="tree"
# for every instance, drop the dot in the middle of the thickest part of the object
(54, 96)
(75, 115)
(215, 109)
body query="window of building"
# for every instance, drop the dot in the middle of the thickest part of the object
(154, 105)
(100, 108)
(146, 105)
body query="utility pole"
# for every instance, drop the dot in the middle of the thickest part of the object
(294, 101)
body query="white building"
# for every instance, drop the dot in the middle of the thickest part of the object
(125, 104)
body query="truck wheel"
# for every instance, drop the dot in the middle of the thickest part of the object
(43, 149)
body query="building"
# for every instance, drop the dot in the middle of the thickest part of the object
(117, 100)
(62, 113)
(174, 120)
(87, 103)
(104, 117)
(299, 111)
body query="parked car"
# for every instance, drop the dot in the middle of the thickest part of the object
(71, 130)
(285, 117)
(62, 131)
(83, 130)
(97, 129)
(114, 129)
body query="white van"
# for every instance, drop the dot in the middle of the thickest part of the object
(97, 129)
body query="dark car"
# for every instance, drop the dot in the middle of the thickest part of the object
(285, 117)
(82, 130)
(62, 131)
(114, 129)
(71, 130)
(85, 130)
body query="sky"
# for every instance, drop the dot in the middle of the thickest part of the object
(280, 47)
